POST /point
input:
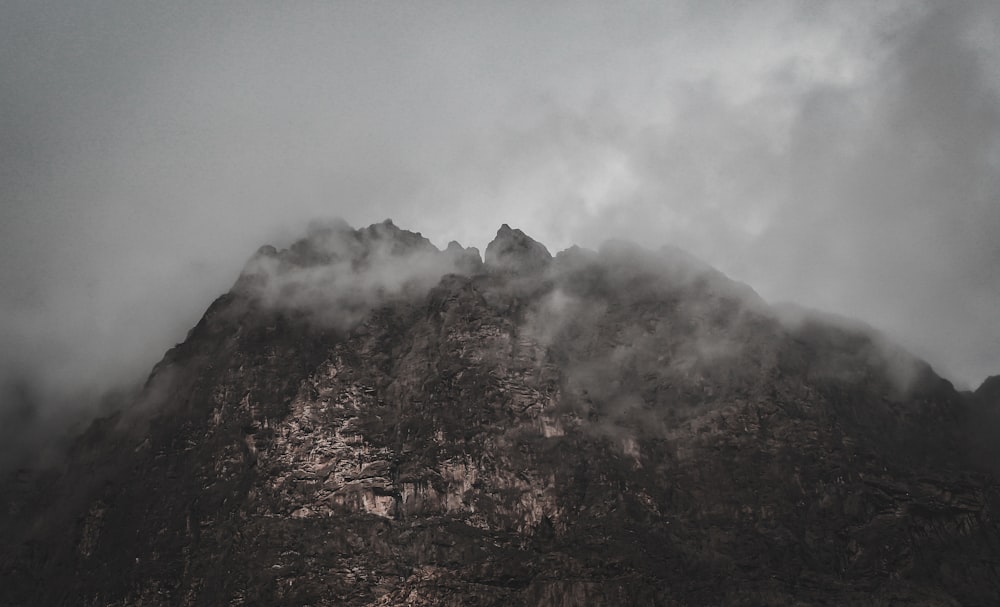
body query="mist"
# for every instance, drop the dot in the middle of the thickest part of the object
(844, 157)
(335, 276)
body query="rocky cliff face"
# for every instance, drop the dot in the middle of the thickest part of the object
(366, 420)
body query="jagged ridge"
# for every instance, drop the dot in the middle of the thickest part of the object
(366, 420)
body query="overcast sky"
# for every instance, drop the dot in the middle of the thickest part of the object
(842, 155)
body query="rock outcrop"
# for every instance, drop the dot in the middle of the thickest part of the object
(366, 420)
(514, 251)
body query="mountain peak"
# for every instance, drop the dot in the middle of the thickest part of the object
(337, 274)
(374, 421)
(513, 250)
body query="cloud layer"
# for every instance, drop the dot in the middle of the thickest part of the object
(845, 157)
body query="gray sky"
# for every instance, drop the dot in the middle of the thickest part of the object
(845, 156)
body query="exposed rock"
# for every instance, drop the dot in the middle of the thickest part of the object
(467, 260)
(514, 251)
(623, 428)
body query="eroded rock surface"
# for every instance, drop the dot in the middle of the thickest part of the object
(366, 420)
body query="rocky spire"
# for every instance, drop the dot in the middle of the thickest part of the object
(515, 251)
(467, 260)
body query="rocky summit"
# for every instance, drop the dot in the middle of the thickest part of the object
(364, 419)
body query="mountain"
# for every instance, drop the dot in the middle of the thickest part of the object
(364, 419)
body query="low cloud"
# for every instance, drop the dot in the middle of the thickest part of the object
(336, 275)
(643, 338)
(850, 352)
(648, 341)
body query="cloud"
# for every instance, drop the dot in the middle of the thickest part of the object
(336, 275)
(644, 338)
(844, 156)
(856, 171)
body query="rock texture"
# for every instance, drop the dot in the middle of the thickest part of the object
(366, 420)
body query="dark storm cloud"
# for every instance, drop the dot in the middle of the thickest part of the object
(843, 156)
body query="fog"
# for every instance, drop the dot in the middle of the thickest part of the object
(845, 157)
(335, 276)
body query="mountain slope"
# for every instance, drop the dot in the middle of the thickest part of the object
(366, 420)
